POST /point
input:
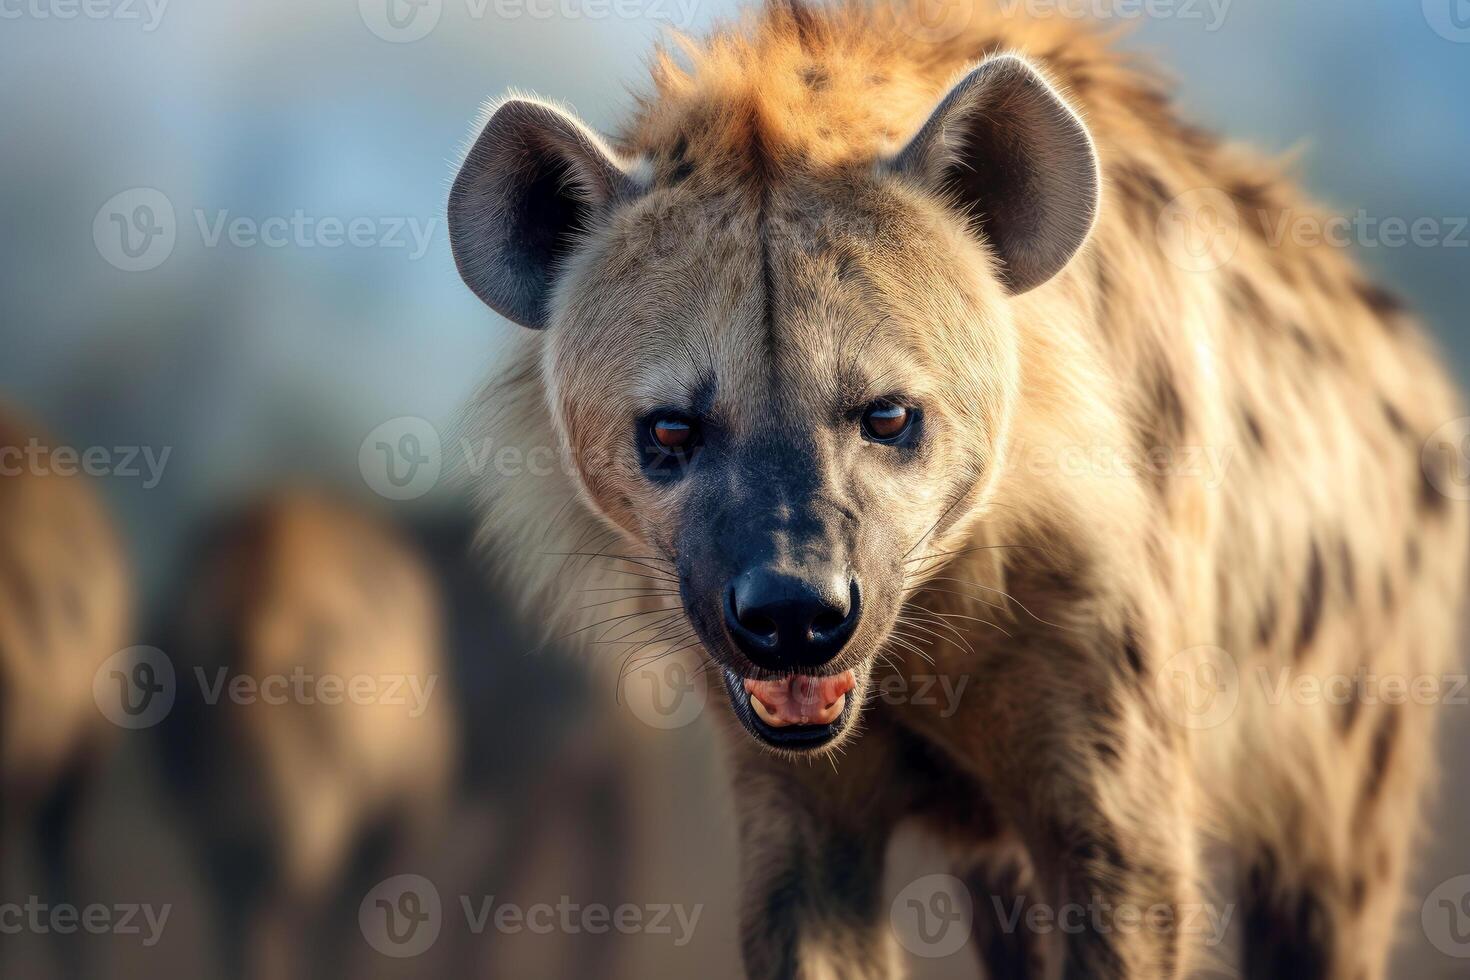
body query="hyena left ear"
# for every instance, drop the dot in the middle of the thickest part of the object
(1009, 152)
(534, 181)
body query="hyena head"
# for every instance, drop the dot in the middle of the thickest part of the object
(783, 361)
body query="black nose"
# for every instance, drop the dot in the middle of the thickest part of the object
(783, 622)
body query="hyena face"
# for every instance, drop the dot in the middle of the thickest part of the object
(787, 378)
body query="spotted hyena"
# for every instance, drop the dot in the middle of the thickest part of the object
(66, 609)
(307, 742)
(880, 354)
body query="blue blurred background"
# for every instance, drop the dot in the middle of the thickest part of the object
(256, 362)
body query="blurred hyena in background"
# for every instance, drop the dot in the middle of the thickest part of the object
(65, 609)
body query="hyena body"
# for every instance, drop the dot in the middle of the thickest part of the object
(1157, 480)
(308, 740)
(65, 608)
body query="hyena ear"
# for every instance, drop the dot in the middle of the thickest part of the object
(534, 181)
(1009, 152)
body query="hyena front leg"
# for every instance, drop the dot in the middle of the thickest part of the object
(813, 843)
(1093, 778)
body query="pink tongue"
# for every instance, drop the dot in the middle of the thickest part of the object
(802, 700)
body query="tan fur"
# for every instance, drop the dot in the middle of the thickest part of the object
(1324, 548)
(65, 607)
(289, 790)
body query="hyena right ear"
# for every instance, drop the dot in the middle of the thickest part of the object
(532, 183)
(1005, 148)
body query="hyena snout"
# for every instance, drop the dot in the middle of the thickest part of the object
(783, 621)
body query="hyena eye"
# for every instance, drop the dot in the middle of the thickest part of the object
(669, 442)
(886, 421)
(672, 434)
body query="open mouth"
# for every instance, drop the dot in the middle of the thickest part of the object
(796, 713)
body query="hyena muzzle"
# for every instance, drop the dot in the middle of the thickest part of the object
(881, 356)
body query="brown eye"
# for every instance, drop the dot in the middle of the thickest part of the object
(673, 434)
(886, 422)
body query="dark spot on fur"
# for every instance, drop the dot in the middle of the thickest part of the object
(1142, 186)
(1288, 933)
(1305, 341)
(1379, 753)
(1253, 428)
(1395, 418)
(1433, 474)
(1266, 622)
(1385, 590)
(815, 78)
(1349, 717)
(1132, 652)
(1311, 613)
(1383, 303)
(1357, 893)
(1246, 299)
(1348, 570)
(1106, 752)
(1413, 555)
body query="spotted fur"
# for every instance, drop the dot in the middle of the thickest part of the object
(748, 239)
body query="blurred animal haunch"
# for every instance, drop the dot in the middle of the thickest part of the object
(65, 609)
(806, 308)
(299, 757)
